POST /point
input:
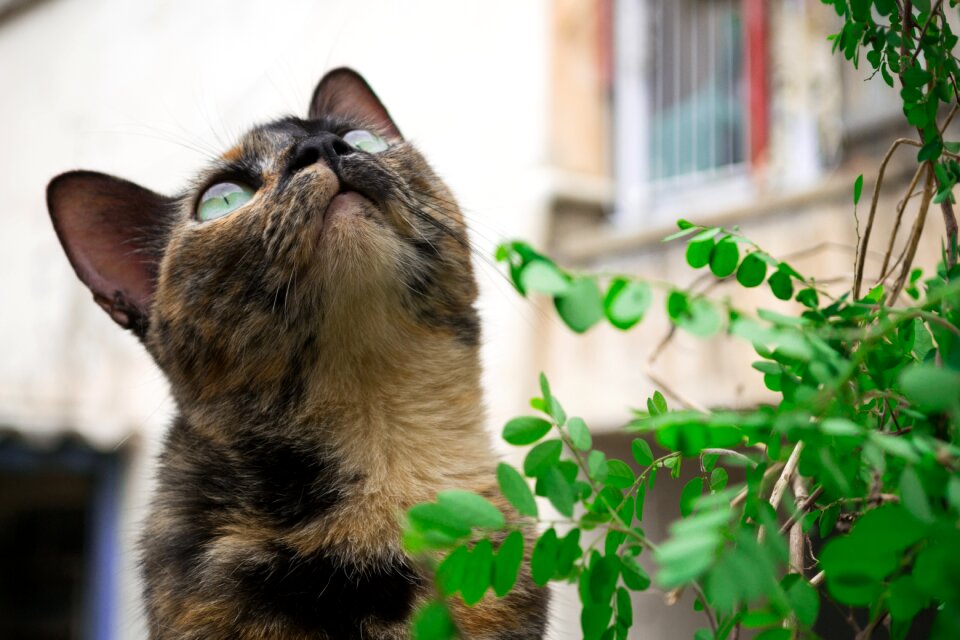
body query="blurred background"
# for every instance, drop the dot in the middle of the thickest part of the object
(583, 126)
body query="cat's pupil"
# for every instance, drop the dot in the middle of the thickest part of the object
(221, 199)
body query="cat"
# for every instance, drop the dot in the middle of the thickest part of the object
(311, 300)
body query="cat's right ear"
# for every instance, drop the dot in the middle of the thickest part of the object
(113, 232)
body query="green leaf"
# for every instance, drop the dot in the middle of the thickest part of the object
(619, 475)
(506, 564)
(634, 576)
(626, 302)
(642, 452)
(471, 509)
(698, 252)
(568, 552)
(603, 578)
(432, 516)
(516, 490)
(684, 231)
(906, 600)
(659, 402)
(930, 151)
(724, 257)
(597, 465)
(803, 598)
(477, 573)
(916, 76)
(579, 434)
(545, 388)
(594, 619)
(544, 558)
(525, 430)
(555, 409)
(559, 491)
(857, 189)
(542, 457)
(677, 305)
(544, 277)
(718, 479)
(707, 234)
(684, 558)
(752, 271)
(702, 319)
(581, 306)
(841, 427)
(451, 571)
(691, 491)
(433, 622)
(624, 608)
(828, 520)
(809, 298)
(781, 284)
(931, 388)
(914, 496)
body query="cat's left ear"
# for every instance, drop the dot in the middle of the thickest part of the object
(343, 93)
(114, 233)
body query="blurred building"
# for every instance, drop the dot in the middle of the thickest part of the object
(584, 126)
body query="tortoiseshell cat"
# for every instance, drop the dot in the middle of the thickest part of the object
(311, 300)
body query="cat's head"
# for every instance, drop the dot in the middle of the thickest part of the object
(311, 240)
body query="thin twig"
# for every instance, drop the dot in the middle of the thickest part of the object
(862, 252)
(802, 507)
(901, 206)
(676, 395)
(796, 531)
(914, 236)
(732, 454)
(923, 31)
(781, 486)
(742, 494)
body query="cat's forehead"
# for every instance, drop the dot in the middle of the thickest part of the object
(272, 138)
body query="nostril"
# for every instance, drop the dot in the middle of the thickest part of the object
(305, 156)
(340, 147)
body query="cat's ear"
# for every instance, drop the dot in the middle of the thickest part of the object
(344, 93)
(113, 232)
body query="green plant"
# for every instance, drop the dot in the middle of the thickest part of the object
(860, 450)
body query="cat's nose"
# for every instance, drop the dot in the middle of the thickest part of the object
(325, 147)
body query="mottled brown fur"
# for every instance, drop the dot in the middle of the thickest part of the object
(326, 373)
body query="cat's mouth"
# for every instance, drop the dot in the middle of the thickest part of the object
(344, 202)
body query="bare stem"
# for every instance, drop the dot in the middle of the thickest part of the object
(862, 253)
(901, 206)
(914, 236)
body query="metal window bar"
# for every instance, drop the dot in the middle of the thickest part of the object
(698, 114)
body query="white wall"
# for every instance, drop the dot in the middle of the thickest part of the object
(146, 90)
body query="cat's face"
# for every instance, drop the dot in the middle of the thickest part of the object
(310, 242)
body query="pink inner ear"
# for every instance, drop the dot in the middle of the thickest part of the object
(111, 231)
(344, 93)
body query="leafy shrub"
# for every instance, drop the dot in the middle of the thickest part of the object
(860, 449)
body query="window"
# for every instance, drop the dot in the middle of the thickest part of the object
(58, 541)
(689, 101)
(697, 120)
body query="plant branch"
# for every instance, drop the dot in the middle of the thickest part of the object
(862, 251)
(915, 234)
(803, 506)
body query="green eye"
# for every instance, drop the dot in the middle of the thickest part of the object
(221, 199)
(365, 141)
